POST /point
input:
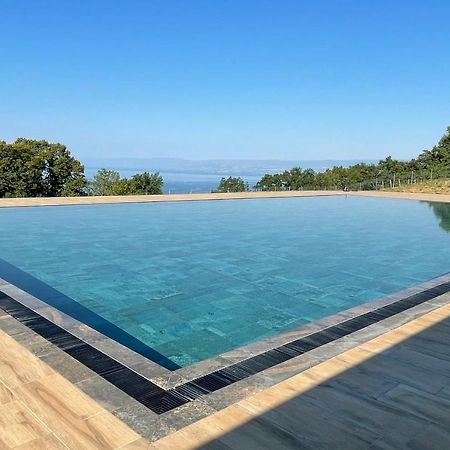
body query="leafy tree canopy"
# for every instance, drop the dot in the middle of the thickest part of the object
(109, 182)
(232, 184)
(30, 168)
(438, 158)
(103, 182)
(146, 183)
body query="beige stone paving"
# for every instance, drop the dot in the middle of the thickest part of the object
(40, 409)
(60, 201)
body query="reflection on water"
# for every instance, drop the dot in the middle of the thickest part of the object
(442, 212)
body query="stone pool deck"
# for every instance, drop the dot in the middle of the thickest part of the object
(387, 386)
(94, 200)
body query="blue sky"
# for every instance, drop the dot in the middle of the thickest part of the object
(209, 79)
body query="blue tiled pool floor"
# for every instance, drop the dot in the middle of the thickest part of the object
(193, 280)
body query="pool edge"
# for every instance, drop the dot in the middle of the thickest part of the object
(183, 390)
(103, 200)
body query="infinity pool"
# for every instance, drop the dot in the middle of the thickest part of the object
(182, 282)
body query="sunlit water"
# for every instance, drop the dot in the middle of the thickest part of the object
(191, 280)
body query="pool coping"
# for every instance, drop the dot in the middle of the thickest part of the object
(117, 199)
(104, 200)
(168, 419)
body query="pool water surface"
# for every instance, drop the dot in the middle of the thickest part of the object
(191, 280)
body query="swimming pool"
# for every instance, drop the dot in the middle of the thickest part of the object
(182, 282)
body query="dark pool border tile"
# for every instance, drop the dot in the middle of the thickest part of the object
(106, 345)
(137, 387)
(160, 400)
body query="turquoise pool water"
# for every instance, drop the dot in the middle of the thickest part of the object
(191, 280)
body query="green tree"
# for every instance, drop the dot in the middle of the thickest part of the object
(30, 168)
(232, 184)
(146, 183)
(109, 182)
(388, 172)
(268, 182)
(103, 182)
(438, 158)
(122, 187)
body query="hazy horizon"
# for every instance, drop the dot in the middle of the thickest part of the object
(184, 176)
(216, 166)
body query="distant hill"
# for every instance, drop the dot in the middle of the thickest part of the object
(220, 167)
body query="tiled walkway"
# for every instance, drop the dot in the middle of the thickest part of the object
(40, 409)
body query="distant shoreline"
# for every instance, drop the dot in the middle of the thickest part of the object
(183, 176)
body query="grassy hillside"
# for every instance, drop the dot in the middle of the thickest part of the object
(441, 186)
